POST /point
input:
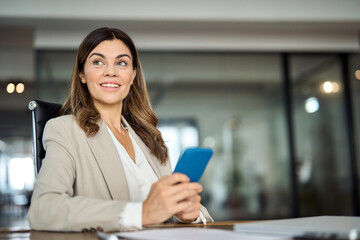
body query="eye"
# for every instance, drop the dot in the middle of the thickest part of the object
(98, 63)
(122, 63)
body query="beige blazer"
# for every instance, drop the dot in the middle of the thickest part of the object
(82, 183)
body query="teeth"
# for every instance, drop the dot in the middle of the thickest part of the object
(112, 85)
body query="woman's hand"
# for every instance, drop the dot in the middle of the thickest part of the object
(192, 213)
(172, 195)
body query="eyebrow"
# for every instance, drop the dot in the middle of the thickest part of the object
(117, 57)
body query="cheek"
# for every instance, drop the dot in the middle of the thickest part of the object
(90, 74)
(130, 75)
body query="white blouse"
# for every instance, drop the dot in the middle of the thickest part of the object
(140, 176)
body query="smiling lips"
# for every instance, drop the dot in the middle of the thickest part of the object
(110, 85)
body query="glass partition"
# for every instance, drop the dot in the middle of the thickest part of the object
(53, 72)
(354, 64)
(321, 139)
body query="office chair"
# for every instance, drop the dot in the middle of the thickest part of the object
(41, 113)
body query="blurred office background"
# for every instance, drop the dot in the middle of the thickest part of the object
(269, 85)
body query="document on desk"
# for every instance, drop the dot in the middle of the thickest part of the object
(190, 233)
(334, 227)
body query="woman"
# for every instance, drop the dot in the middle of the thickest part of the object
(106, 165)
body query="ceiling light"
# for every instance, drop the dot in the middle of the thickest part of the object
(327, 87)
(357, 74)
(10, 88)
(335, 87)
(330, 87)
(20, 87)
(311, 105)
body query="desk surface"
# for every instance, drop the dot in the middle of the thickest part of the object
(22, 233)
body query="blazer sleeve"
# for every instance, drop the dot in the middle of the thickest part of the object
(54, 206)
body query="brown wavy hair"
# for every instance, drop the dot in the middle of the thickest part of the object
(136, 109)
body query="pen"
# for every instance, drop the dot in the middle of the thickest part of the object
(104, 236)
(202, 218)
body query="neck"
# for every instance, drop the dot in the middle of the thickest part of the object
(111, 114)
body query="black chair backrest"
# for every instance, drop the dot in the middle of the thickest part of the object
(41, 113)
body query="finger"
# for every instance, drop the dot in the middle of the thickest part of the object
(173, 179)
(178, 188)
(195, 199)
(181, 206)
(185, 190)
(189, 216)
(178, 178)
(192, 207)
(185, 195)
(162, 183)
(167, 191)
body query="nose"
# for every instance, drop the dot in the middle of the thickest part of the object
(110, 71)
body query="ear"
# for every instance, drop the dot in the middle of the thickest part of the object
(81, 75)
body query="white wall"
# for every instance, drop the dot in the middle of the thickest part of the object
(185, 10)
(252, 25)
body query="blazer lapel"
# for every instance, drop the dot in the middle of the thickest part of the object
(109, 163)
(160, 170)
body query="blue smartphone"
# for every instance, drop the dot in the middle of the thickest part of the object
(193, 161)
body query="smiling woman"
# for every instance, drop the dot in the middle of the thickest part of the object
(108, 74)
(106, 164)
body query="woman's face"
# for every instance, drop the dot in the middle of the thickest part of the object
(109, 73)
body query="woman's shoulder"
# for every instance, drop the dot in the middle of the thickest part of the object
(63, 128)
(66, 122)
(65, 119)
